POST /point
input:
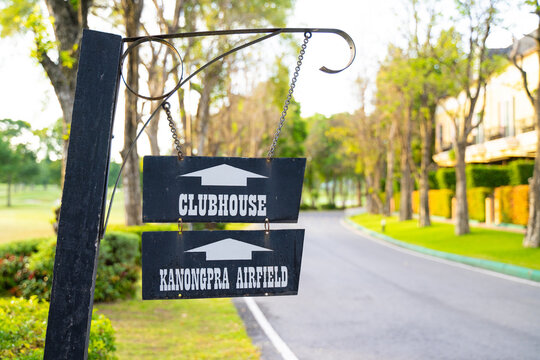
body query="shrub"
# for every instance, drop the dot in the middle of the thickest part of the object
(487, 176)
(23, 326)
(446, 178)
(397, 199)
(476, 200)
(416, 201)
(139, 229)
(432, 180)
(13, 271)
(520, 204)
(117, 272)
(520, 171)
(503, 204)
(440, 202)
(328, 206)
(21, 248)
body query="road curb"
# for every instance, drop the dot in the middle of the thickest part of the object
(508, 269)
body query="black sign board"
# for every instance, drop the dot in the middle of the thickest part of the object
(221, 189)
(204, 264)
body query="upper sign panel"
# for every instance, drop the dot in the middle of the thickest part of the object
(221, 189)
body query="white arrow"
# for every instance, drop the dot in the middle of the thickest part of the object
(224, 175)
(228, 249)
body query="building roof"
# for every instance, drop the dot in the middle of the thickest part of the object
(524, 45)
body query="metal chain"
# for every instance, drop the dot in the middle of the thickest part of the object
(167, 107)
(307, 36)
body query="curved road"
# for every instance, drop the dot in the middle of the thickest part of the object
(359, 299)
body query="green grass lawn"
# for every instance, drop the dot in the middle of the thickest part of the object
(30, 215)
(481, 243)
(32, 212)
(178, 329)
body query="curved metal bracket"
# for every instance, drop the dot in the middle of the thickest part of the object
(271, 32)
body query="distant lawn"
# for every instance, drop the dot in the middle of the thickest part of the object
(178, 329)
(481, 243)
(32, 212)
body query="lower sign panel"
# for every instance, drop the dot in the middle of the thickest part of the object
(210, 264)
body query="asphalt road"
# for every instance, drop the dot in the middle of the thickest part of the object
(359, 299)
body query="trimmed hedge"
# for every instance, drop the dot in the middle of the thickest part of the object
(503, 204)
(446, 178)
(520, 171)
(486, 176)
(416, 201)
(117, 272)
(476, 200)
(23, 326)
(477, 175)
(440, 202)
(397, 200)
(432, 180)
(512, 204)
(520, 198)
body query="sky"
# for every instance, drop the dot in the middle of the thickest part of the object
(26, 93)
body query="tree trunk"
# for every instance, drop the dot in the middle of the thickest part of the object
(426, 132)
(131, 178)
(532, 236)
(359, 193)
(152, 134)
(389, 186)
(462, 213)
(69, 22)
(370, 206)
(405, 207)
(203, 109)
(9, 192)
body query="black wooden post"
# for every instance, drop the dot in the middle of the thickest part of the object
(82, 207)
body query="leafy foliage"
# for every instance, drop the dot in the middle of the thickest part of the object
(512, 204)
(520, 171)
(23, 326)
(476, 199)
(446, 178)
(30, 274)
(440, 202)
(486, 175)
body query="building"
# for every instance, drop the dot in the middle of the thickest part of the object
(508, 129)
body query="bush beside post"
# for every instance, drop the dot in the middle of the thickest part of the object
(23, 326)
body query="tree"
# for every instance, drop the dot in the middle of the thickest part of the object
(220, 15)
(532, 236)
(390, 107)
(397, 90)
(471, 73)
(57, 55)
(131, 15)
(364, 138)
(17, 161)
(430, 56)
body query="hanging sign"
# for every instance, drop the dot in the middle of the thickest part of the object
(221, 189)
(209, 264)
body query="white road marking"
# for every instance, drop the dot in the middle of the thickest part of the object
(275, 339)
(440, 260)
